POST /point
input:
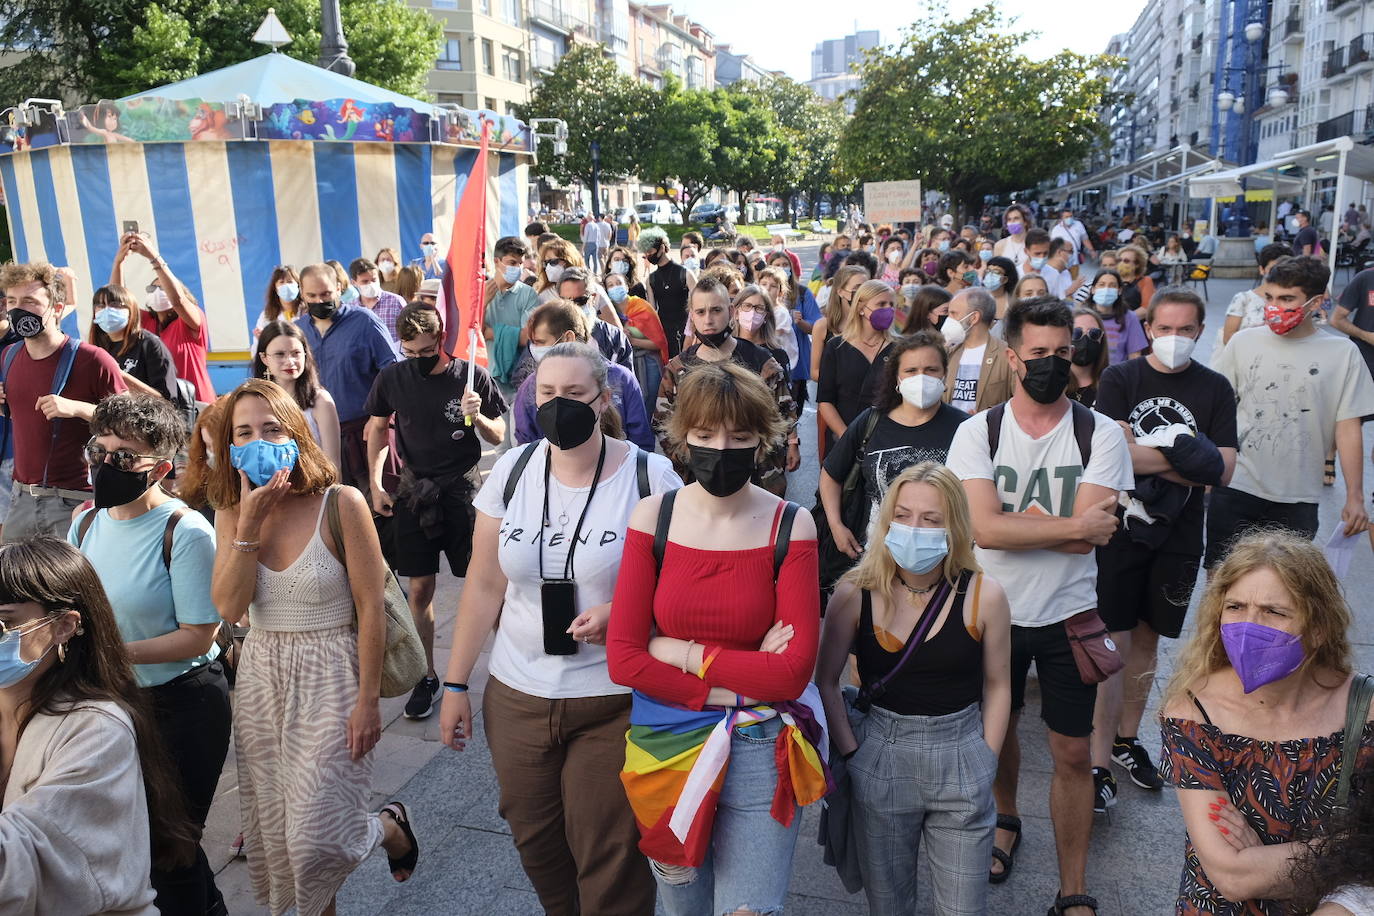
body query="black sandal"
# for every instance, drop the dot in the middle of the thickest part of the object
(1008, 858)
(1329, 473)
(1063, 903)
(397, 812)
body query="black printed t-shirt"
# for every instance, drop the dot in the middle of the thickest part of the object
(1197, 397)
(430, 432)
(1358, 298)
(891, 449)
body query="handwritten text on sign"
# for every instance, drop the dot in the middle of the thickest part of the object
(892, 201)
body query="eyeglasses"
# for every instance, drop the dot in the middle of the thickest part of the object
(1090, 333)
(33, 625)
(122, 458)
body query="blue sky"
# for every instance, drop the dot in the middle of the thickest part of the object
(781, 36)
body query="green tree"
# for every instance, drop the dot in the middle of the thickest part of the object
(600, 104)
(685, 144)
(84, 50)
(750, 144)
(808, 137)
(957, 105)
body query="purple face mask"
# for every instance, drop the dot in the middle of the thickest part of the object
(1260, 654)
(882, 318)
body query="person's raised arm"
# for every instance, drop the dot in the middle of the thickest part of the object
(117, 268)
(479, 610)
(238, 535)
(837, 642)
(187, 311)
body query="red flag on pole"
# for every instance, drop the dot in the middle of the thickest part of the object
(463, 298)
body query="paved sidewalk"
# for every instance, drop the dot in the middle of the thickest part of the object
(468, 864)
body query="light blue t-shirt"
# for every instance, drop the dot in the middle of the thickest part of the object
(147, 601)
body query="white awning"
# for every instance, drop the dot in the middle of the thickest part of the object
(1172, 183)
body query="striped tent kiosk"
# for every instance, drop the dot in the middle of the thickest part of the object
(231, 173)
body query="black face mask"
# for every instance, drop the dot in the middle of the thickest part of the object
(425, 364)
(323, 310)
(1086, 351)
(721, 471)
(25, 323)
(566, 422)
(113, 487)
(714, 340)
(1046, 378)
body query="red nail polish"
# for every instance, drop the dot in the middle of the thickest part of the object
(1225, 831)
(1215, 807)
(1215, 817)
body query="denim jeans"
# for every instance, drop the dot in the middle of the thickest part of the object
(749, 861)
(926, 778)
(649, 373)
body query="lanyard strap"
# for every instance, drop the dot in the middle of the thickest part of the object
(572, 547)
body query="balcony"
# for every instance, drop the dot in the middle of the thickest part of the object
(1336, 4)
(1197, 43)
(1358, 124)
(1292, 29)
(543, 59)
(1361, 55)
(1335, 64)
(1178, 61)
(550, 16)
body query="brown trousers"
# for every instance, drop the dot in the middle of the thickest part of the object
(558, 764)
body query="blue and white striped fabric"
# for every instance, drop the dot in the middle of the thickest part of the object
(224, 214)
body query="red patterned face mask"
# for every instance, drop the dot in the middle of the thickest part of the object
(1281, 320)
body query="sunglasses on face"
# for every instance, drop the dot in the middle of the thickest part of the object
(123, 459)
(1089, 333)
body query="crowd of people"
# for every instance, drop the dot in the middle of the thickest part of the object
(1021, 462)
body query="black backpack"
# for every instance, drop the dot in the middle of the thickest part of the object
(1083, 426)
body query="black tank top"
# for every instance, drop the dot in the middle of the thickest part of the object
(669, 283)
(943, 675)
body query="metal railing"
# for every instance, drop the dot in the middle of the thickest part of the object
(1292, 26)
(1360, 48)
(1335, 63)
(550, 13)
(1339, 126)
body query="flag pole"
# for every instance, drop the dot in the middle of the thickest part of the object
(472, 364)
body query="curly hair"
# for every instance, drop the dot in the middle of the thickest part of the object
(1345, 856)
(141, 418)
(14, 274)
(650, 237)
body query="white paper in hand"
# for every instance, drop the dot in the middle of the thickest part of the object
(1340, 549)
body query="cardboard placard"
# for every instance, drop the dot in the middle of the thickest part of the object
(892, 201)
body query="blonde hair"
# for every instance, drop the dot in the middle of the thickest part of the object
(834, 306)
(878, 572)
(1323, 617)
(854, 321)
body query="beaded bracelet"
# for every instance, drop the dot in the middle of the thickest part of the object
(246, 546)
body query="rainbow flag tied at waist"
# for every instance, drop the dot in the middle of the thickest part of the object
(676, 760)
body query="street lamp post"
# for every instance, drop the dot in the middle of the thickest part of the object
(596, 179)
(333, 45)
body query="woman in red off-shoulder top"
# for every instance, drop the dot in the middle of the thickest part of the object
(718, 636)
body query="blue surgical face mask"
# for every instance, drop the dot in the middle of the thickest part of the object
(993, 281)
(1106, 295)
(1037, 263)
(260, 459)
(691, 263)
(111, 320)
(943, 245)
(618, 294)
(917, 550)
(349, 296)
(512, 274)
(287, 292)
(429, 249)
(985, 255)
(13, 668)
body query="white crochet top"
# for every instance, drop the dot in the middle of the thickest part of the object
(310, 594)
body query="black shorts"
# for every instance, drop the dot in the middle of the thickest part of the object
(1232, 513)
(1138, 585)
(1066, 703)
(417, 554)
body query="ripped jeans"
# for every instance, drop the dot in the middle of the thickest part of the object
(749, 862)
